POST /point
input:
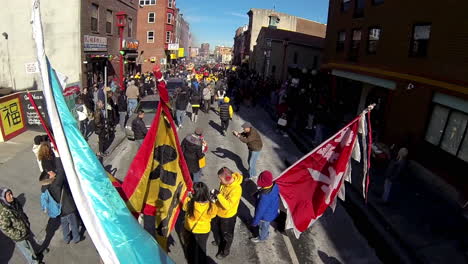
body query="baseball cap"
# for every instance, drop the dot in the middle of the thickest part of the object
(246, 125)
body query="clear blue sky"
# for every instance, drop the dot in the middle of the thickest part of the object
(215, 21)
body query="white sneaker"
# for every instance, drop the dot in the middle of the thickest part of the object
(256, 240)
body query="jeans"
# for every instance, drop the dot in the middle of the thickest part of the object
(132, 104)
(387, 189)
(196, 176)
(180, 116)
(207, 105)
(253, 157)
(224, 125)
(70, 224)
(27, 250)
(84, 127)
(122, 117)
(197, 248)
(225, 233)
(264, 230)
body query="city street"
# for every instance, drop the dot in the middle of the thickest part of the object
(333, 239)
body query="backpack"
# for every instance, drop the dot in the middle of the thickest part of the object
(49, 205)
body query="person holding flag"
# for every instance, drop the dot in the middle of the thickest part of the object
(227, 199)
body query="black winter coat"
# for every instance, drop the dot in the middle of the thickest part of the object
(224, 111)
(122, 103)
(139, 128)
(195, 99)
(192, 149)
(55, 189)
(182, 101)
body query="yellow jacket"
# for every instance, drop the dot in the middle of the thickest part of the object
(229, 197)
(231, 112)
(201, 214)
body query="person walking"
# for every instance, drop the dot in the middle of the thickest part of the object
(206, 99)
(225, 114)
(54, 180)
(199, 213)
(220, 95)
(82, 112)
(101, 128)
(195, 101)
(132, 94)
(192, 147)
(139, 128)
(122, 109)
(251, 137)
(14, 223)
(227, 199)
(395, 170)
(181, 103)
(266, 206)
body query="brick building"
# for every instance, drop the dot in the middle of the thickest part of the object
(240, 49)
(101, 40)
(410, 58)
(205, 50)
(155, 30)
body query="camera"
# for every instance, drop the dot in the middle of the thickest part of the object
(214, 195)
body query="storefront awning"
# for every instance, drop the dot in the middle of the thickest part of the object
(365, 79)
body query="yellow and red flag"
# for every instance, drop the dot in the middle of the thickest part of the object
(158, 179)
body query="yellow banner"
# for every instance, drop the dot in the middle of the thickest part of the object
(173, 56)
(12, 121)
(181, 52)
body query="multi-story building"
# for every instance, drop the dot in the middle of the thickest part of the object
(278, 50)
(205, 50)
(81, 40)
(241, 49)
(182, 34)
(259, 18)
(408, 57)
(223, 54)
(156, 30)
(194, 52)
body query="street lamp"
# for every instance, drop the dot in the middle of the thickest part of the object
(121, 22)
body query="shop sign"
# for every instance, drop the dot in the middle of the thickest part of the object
(130, 44)
(173, 46)
(31, 67)
(32, 120)
(93, 43)
(173, 56)
(11, 117)
(163, 61)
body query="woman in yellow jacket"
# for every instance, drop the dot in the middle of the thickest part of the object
(198, 214)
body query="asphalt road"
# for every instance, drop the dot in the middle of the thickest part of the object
(332, 239)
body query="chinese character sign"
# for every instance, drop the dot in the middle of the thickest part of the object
(11, 115)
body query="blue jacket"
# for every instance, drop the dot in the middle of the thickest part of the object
(267, 205)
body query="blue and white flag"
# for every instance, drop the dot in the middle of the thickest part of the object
(114, 231)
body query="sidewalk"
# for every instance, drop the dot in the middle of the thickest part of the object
(418, 224)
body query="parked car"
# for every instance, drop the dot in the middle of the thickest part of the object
(149, 104)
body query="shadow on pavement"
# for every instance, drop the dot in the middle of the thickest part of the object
(216, 126)
(326, 259)
(7, 247)
(225, 153)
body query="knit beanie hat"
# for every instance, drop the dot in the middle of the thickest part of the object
(265, 179)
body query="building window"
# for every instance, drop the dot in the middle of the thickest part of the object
(355, 45)
(420, 40)
(168, 36)
(373, 40)
(359, 8)
(341, 41)
(377, 2)
(151, 17)
(448, 130)
(268, 43)
(150, 36)
(295, 58)
(169, 18)
(345, 5)
(130, 27)
(170, 3)
(109, 21)
(147, 2)
(94, 17)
